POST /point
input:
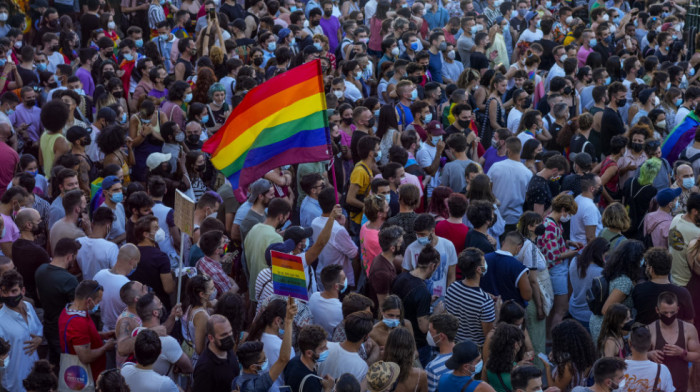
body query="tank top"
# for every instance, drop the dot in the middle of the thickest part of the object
(188, 331)
(46, 143)
(189, 68)
(125, 315)
(676, 365)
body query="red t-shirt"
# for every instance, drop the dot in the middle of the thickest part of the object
(81, 331)
(457, 234)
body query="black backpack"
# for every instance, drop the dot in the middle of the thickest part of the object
(597, 294)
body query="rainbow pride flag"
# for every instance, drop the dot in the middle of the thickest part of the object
(680, 137)
(288, 278)
(280, 122)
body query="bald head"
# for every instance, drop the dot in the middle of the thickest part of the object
(6, 264)
(5, 131)
(193, 126)
(27, 218)
(128, 253)
(217, 323)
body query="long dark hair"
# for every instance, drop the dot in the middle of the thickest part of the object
(400, 349)
(612, 325)
(571, 343)
(594, 252)
(480, 189)
(194, 287)
(502, 355)
(276, 308)
(387, 120)
(231, 306)
(624, 260)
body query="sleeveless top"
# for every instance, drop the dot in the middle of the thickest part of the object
(46, 144)
(125, 315)
(188, 331)
(189, 68)
(676, 365)
(125, 168)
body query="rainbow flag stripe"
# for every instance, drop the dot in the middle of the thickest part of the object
(288, 277)
(281, 122)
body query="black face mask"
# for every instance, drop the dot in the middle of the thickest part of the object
(30, 103)
(118, 94)
(527, 103)
(226, 343)
(163, 316)
(193, 139)
(370, 122)
(668, 320)
(36, 229)
(539, 230)
(327, 13)
(463, 123)
(314, 22)
(257, 61)
(200, 168)
(628, 325)
(87, 141)
(55, 48)
(11, 302)
(637, 146)
(621, 102)
(567, 90)
(347, 120)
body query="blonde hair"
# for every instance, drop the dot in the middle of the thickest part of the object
(374, 205)
(615, 217)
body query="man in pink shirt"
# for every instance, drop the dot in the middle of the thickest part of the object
(8, 157)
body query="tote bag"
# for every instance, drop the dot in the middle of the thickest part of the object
(73, 375)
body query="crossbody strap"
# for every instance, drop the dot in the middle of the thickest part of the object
(65, 333)
(656, 379)
(464, 388)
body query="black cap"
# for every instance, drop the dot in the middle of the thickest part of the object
(283, 247)
(462, 353)
(297, 233)
(310, 49)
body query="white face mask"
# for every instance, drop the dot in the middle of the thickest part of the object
(565, 218)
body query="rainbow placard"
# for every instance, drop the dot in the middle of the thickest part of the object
(288, 278)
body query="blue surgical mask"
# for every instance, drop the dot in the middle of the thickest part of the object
(376, 113)
(379, 156)
(293, 8)
(128, 56)
(58, 80)
(318, 45)
(33, 173)
(692, 72)
(608, 80)
(428, 118)
(117, 197)
(42, 67)
(688, 182)
(668, 85)
(139, 42)
(593, 42)
(188, 98)
(94, 309)
(679, 101)
(391, 323)
(131, 273)
(271, 46)
(6, 362)
(164, 37)
(414, 46)
(345, 285)
(387, 197)
(414, 95)
(322, 357)
(479, 366)
(2, 62)
(180, 137)
(358, 76)
(10, 112)
(123, 119)
(436, 140)
(205, 119)
(423, 241)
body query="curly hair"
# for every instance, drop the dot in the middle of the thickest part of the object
(400, 349)
(564, 202)
(41, 378)
(624, 260)
(615, 217)
(571, 343)
(501, 349)
(437, 206)
(111, 139)
(205, 78)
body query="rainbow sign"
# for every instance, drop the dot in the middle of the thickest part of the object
(288, 277)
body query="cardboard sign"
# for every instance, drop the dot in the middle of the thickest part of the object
(184, 213)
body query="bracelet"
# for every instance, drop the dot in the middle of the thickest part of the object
(685, 354)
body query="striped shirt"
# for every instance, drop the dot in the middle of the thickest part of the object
(435, 369)
(155, 16)
(472, 306)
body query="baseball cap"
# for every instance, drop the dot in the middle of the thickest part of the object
(310, 49)
(258, 188)
(76, 133)
(667, 195)
(583, 160)
(435, 128)
(283, 247)
(382, 375)
(155, 159)
(283, 34)
(109, 181)
(645, 94)
(530, 15)
(108, 114)
(297, 233)
(462, 353)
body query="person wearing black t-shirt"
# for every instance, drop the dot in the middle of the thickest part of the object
(478, 58)
(313, 349)
(481, 215)
(611, 124)
(538, 197)
(217, 366)
(580, 143)
(657, 267)
(411, 288)
(31, 255)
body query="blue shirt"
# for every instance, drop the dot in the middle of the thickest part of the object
(438, 19)
(502, 276)
(450, 382)
(435, 66)
(435, 369)
(16, 331)
(404, 114)
(164, 48)
(310, 210)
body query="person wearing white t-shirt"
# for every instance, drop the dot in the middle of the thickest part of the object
(343, 357)
(141, 376)
(150, 310)
(112, 281)
(643, 374)
(429, 155)
(96, 253)
(445, 273)
(510, 179)
(521, 103)
(532, 33)
(325, 305)
(586, 224)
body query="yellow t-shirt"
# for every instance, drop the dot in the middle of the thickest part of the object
(362, 176)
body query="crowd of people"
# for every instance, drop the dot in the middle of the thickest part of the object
(510, 201)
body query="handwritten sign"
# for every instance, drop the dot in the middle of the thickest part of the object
(288, 278)
(184, 213)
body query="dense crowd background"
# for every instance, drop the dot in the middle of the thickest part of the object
(510, 202)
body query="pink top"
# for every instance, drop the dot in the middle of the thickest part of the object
(375, 36)
(369, 246)
(582, 55)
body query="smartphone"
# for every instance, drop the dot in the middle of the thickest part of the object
(544, 358)
(212, 14)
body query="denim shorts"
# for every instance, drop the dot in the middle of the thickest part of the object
(560, 275)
